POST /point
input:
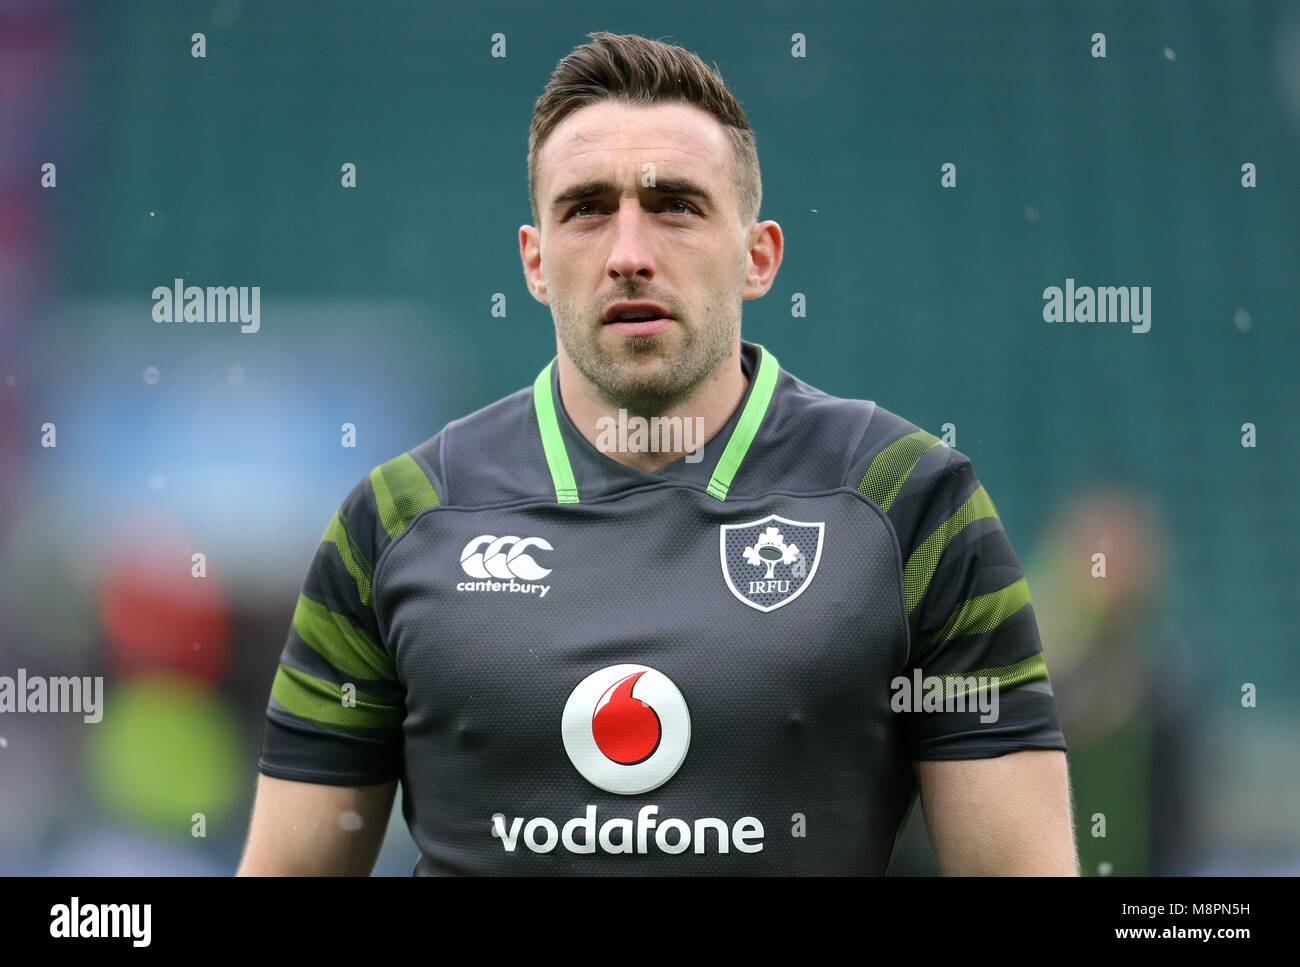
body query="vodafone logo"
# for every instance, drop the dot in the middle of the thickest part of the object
(626, 729)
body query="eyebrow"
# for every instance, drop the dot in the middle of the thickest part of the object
(664, 186)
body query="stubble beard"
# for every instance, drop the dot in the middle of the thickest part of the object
(622, 381)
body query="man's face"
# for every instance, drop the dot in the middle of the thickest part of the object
(639, 203)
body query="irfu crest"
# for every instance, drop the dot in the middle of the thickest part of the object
(767, 563)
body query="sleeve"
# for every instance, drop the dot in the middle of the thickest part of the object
(974, 640)
(337, 705)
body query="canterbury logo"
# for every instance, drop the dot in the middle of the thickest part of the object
(504, 558)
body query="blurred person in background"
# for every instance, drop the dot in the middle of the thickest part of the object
(1126, 693)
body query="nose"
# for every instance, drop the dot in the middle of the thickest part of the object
(630, 254)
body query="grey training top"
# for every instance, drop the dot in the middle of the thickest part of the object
(724, 667)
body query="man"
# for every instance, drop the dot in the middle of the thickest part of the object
(581, 658)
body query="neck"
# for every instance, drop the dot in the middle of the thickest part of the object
(713, 402)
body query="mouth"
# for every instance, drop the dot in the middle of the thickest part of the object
(637, 318)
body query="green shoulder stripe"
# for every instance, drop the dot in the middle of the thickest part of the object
(402, 491)
(983, 612)
(1009, 676)
(353, 559)
(341, 643)
(924, 560)
(892, 466)
(317, 700)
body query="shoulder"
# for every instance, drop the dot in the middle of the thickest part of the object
(910, 473)
(915, 478)
(492, 455)
(857, 443)
(483, 457)
(896, 459)
(383, 504)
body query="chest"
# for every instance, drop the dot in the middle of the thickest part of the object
(784, 609)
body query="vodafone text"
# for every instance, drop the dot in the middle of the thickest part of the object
(621, 836)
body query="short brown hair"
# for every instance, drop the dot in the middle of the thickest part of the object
(638, 70)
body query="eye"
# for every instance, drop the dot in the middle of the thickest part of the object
(576, 210)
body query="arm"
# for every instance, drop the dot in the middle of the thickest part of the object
(334, 715)
(1004, 816)
(301, 828)
(994, 787)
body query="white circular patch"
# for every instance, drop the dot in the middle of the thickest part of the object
(626, 729)
(350, 821)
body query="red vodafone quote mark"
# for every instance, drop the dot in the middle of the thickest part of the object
(626, 729)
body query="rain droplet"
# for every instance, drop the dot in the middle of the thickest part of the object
(153, 224)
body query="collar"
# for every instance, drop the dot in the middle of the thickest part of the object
(579, 470)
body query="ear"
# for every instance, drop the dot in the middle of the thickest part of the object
(530, 255)
(766, 248)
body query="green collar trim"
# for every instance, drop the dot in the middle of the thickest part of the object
(751, 418)
(747, 427)
(557, 458)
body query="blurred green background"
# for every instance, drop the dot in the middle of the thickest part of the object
(376, 311)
